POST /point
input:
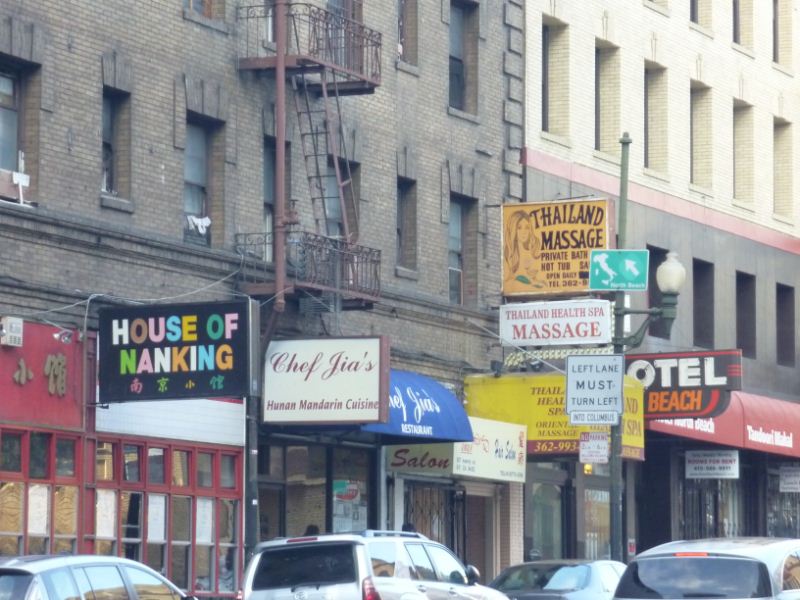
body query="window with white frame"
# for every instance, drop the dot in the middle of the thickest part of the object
(195, 185)
(9, 122)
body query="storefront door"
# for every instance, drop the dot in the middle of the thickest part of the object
(545, 511)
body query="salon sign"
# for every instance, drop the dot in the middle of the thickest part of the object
(547, 245)
(327, 381)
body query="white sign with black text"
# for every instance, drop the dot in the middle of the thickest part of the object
(593, 447)
(789, 479)
(594, 394)
(712, 464)
(552, 323)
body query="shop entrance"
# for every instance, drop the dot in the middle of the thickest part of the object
(546, 508)
(437, 511)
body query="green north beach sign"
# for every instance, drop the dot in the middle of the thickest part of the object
(618, 270)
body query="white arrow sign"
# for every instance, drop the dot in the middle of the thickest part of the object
(630, 266)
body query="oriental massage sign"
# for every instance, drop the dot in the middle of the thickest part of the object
(175, 351)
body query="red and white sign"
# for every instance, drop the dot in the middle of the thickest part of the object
(593, 447)
(329, 380)
(556, 323)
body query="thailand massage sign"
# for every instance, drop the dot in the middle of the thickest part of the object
(538, 401)
(165, 352)
(547, 245)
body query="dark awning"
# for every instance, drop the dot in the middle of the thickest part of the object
(422, 408)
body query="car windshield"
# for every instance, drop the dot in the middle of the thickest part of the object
(312, 564)
(13, 584)
(695, 577)
(546, 576)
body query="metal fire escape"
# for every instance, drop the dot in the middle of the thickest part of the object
(328, 54)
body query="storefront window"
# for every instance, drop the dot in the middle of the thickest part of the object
(783, 509)
(130, 462)
(228, 471)
(105, 517)
(104, 461)
(11, 452)
(180, 468)
(350, 489)
(155, 465)
(305, 488)
(270, 508)
(40, 455)
(544, 527)
(65, 458)
(598, 528)
(205, 469)
(270, 461)
(11, 518)
(130, 516)
(156, 532)
(228, 563)
(204, 544)
(180, 537)
(65, 518)
(38, 519)
(712, 508)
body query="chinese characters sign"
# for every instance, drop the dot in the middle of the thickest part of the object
(176, 351)
(546, 245)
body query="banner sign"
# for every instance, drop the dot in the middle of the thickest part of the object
(172, 351)
(686, 384)
(546, 245)
(327, 381)
(570, 322)
(712, 464)
(537, 401)
(497, 453)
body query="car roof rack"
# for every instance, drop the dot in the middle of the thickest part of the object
(392, 533)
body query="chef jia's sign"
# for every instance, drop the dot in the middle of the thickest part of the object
(327, 381)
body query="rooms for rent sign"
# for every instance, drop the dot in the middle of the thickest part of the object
(546, 245)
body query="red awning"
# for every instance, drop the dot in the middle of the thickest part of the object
(750, 421)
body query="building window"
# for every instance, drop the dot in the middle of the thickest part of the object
(782, 168)
(655, 118)
(155, 556)
(205, 469)
(555, 78)
(606, 98)
(784, 325)
(104, 461)
(700, 138)
(155, 466)
(464, 56)
(181, 541)
(180, 468)
(782, 32)
(657, 328)
(130, 523)
(65, 519)
(131, 461)
(116, 143)
(39, 459)
(211, 9)
(737, 22)
(195, 185)
(335, 214)
(703, 303)
(406, 223)
(407, 29)
(11, 452)
(742, 152)
(228, 471)
(9, 122)
(269, 199)
(700, 12)
(65, 457)
(746, 314)
(462, 249)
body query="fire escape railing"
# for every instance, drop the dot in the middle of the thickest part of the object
(313, 33)
(314, 261)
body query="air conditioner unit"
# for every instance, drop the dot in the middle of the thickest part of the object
(11, 331)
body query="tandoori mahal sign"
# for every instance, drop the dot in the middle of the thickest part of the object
(171, 351)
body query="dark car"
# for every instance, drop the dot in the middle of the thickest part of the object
(562, 579)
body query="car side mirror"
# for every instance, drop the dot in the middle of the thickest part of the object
(473, 575)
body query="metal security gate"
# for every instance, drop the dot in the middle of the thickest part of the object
(437, 511)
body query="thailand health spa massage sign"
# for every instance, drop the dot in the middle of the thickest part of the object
(177, 351)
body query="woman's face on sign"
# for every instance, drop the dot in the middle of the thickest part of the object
(524, 230)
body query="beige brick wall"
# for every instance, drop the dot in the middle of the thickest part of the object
(661, 35)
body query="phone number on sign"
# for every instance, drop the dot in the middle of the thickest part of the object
(553, 447)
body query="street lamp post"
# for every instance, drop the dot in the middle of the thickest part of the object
(669, 277)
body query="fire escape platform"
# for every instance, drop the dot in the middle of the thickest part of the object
(353, 83)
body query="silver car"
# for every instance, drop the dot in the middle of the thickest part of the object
(82, 576)
(373, 565)
(727, 568)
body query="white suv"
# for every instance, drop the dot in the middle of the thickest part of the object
(727, 568)
(373, 565)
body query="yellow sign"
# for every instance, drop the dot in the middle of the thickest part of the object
(546, 245)
(537, 401)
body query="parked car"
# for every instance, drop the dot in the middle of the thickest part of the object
(67, 577)
(563, 579)
(372, 565)
(722, 568)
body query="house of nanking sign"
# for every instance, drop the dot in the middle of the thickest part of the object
(556, 323)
